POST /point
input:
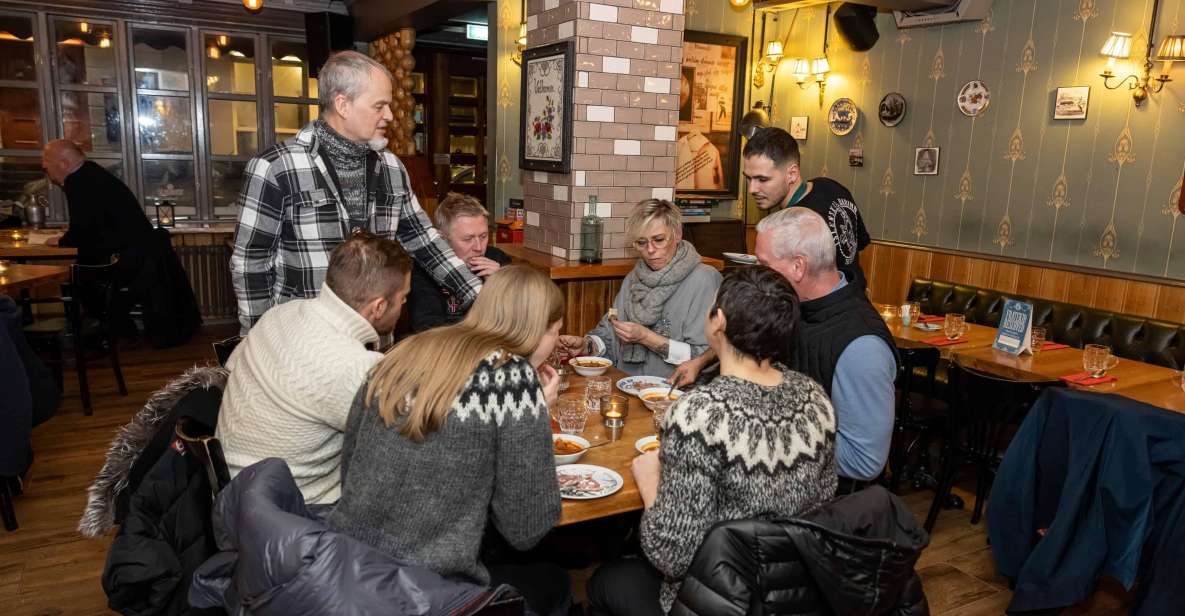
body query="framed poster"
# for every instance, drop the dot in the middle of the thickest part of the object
(925, 161)
(711, 103)
(546, 111)
(798, 125)
(1071, 103)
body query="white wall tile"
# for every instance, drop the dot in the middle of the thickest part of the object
(533, 219)
(559, 193)
(639, 34)
(579, 177)
(567, 29)
(601, 12)
(551, 4)
(663, 193)
(559, 252)
(582, 79)
(658, 85)
(599, 113)
(664, 133)
(541, 177)
(627, 147)
(616, 65)
(604, 210)
(532, 22)
(671, 6)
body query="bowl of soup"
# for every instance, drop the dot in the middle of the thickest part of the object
(568, 448)
(659, 398)
(588, 365)
(646, 444)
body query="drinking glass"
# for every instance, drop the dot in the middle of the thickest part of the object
(907, 314)
(572, 415)
(1097, 360)
(954, 325)
(596, 388)
(1038, 339)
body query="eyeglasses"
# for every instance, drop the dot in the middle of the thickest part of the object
(659, 242)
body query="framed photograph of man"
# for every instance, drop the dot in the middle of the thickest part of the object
(925, 161)
(1071, 103)
(711, 103)
(545, 113)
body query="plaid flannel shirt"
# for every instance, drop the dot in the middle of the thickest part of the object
(291, 216)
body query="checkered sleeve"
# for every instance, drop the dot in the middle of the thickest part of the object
(253, 261)
(429, 248)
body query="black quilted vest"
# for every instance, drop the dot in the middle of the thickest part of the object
(829, 324)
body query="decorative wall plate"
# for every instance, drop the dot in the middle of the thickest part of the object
(892, 109)
(974, 98)
(842, 117)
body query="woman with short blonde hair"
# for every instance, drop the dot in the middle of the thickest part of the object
(657, 319)
(452, 433)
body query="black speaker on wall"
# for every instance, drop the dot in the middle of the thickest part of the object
(857, 25)
(326, 33)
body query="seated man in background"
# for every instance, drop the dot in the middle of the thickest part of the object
(465, 224)
(842, 342)
(105, 219)
(294, 376)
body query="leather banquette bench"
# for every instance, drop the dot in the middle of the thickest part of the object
(1131, 337)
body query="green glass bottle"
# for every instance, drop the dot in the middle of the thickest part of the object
(591, 232)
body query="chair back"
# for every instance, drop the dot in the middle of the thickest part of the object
(985, 406)
(918, 367)
(223, 349)
(98, 280)
(198, 439)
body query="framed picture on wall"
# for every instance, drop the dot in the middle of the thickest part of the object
(711, 103)
(545, 113)
(798, 126)
(1071, 103)
(925, 161)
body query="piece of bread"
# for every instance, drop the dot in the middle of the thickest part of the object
(612, 314)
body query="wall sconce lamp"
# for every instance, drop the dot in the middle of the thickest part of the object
(1119, 47)
(773, 56)
(819, 67)
(105, 40)
(520, 43)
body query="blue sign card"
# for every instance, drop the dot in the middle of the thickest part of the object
(1015, 333)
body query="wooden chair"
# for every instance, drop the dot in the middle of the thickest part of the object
(920, 416)
(49, 333)
(983, 410)
(10, 487)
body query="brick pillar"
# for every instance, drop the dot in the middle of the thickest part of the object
(626, 101)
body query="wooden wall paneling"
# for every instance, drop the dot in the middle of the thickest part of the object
(980, 272)
(1028, 281)
(1054, 284)
(1004, 276)
(1074, 287)
(1170, 304)
(898, 276)
(940, 265)
(1141, 298)
(1109, 294)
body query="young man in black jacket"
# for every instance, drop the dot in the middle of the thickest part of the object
(465, 224)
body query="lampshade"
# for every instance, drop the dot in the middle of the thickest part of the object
(773, 51)
(253, 5)
(1118, 45)
(522, 35)
(802, 67)
(1172, 49)
(105, 41)
(213, 52)
(820, 66)
(738, 3)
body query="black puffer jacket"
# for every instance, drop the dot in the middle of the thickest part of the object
(279, 560)
(852, 556)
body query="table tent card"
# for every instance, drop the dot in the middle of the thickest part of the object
(1015, 335)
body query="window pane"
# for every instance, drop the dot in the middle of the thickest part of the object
(169, 179)
(165, 125)
(161, 60)
(114, 165)
(232, 128)
(462, 144)
(19, 175)
(20, 119)
(85, 53)
(16, 48)
(290, 118)
(226, 179)
(230, 64)
(290, 66)
(91, 119)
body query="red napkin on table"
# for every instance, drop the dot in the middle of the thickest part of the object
(943, 341)
(931, 318)
(1084, 378)
(1053, 346)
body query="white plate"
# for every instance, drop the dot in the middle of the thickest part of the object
(974, 98)
(641, 443)
(633, 385)
(928, 327)
(740, 257)
(587, 481)
(842, 117)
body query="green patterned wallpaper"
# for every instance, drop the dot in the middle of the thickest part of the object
(1098, 192)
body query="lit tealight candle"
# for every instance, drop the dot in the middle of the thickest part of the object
(3, 267)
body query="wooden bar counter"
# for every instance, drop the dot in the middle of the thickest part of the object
(588, 289)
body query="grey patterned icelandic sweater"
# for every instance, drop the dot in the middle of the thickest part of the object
(349, 162)
(428, 503)
(731, 450)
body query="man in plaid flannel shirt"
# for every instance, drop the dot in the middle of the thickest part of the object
(303, 197)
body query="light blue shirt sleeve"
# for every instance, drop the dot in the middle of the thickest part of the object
(864, 398)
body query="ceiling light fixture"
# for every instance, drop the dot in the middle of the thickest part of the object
(105, 40)
(253, 5)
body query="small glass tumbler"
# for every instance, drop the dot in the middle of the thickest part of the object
(572, 414)
(954, 325)
(596, 388)
(1038, 339)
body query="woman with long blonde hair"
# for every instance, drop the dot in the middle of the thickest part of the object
(452, 432)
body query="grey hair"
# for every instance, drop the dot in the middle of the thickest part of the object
(654, 209)
(346, 73)
(801, 232)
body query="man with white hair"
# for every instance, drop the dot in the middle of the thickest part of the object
(303, 197)
(842, 342)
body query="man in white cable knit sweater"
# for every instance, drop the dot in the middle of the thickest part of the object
(293, 378)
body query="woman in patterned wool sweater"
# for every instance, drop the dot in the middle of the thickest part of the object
(452, 434)
(756, 442)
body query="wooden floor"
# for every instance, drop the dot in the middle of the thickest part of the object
(46, 568)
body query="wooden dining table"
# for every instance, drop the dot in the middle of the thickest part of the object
(612, 449)
(32, 247)
(20, 276)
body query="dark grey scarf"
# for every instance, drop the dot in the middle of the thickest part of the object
(649, 292)
(349, 161)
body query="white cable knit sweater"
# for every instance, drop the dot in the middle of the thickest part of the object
(292, 381)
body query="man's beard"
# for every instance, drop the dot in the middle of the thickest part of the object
(377, 144)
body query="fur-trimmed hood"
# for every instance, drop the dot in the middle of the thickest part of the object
(129, 442)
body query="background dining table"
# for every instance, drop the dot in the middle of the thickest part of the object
(20, 276)
(32, 246)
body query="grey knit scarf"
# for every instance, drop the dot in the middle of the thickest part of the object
(349, 161)
(649, 292)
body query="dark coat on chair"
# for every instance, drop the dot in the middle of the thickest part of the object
(171, 312)
(30, 395)
(852, 556)
(278, 559)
